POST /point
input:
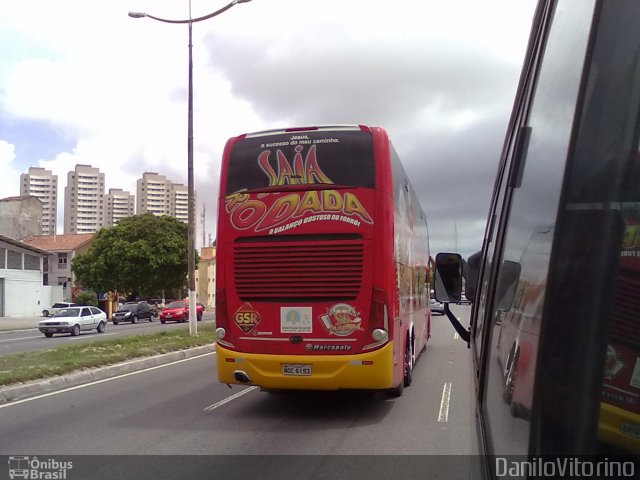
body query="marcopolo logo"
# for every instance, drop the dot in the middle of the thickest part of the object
(38, 469)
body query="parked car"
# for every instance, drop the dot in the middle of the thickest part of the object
(178, 311)
(73, 319)
(56, 307)
(132, 312)
(464, 300)
(437, 308)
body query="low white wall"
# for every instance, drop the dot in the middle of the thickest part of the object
(24, 294)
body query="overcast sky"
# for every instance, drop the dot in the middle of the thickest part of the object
(81, 82)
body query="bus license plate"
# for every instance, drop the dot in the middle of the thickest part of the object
(296, 369)
(629, 428)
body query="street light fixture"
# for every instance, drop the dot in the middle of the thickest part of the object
(191, 214)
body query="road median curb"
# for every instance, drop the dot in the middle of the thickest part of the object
(12, 393)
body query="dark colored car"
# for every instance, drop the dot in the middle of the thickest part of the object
(132, 312)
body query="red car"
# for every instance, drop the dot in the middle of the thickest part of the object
(178, 311)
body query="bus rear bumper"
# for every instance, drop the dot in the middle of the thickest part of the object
(619, 427)
(372, 370)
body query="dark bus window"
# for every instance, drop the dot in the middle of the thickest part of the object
(523, 266)
(340, 157)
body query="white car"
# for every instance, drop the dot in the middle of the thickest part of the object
(56, 307)
(74, 319)
(436, 307)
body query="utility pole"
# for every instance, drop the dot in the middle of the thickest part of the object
(204, 220)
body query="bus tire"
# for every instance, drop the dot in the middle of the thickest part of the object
(510, 377)
(408, 364)
(518, 410)
(397, 391)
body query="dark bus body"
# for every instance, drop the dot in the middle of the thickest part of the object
(555, 322)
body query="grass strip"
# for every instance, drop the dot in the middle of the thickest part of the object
(27, 366)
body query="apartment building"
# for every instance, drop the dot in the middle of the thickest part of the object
(83, 200)
(160, 196)
(43, 184)
(153, 194)
(118, 204)
(86, 206)
(179, 202)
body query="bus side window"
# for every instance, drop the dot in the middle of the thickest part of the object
(512, 320)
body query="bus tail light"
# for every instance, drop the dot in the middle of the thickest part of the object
(220, 333)
(379, 319)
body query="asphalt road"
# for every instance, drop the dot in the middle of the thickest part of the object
(31, 340)
(181, 409)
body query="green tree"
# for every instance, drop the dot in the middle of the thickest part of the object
(87, 297)
(142, 255)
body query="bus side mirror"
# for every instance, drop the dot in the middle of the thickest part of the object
(448, 277)
(448, 288)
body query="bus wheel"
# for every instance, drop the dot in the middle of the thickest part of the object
(408, 364)
(518, 410)
(510, 378)
(396, 392)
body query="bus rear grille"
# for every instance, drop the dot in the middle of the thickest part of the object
(624, 324)
(311, 271)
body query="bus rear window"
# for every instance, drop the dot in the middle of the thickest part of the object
(337, 157)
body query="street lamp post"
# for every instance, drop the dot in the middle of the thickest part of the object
(193, 329)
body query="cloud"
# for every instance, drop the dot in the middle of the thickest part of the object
(9, 184)
(439, 76)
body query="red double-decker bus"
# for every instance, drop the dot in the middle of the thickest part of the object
(323, 267)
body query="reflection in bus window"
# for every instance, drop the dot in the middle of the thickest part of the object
(513, 346)
(606, 176)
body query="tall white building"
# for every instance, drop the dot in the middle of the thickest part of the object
(41, 183)
(153, 194)
(179, 202)
(160, 196)
(83, 200)
(118, 204)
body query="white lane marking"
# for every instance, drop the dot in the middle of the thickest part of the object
(77, 387)
(443, 416)
(228, 399)
(456, 336)
(20, 338)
